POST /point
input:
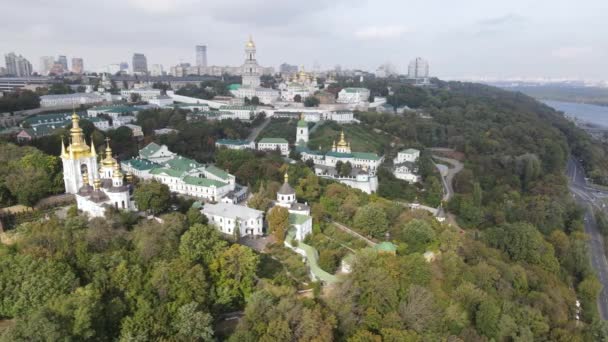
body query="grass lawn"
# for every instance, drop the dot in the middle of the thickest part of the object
(362, 137)
(280, 128)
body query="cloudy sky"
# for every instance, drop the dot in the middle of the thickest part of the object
(465, 38)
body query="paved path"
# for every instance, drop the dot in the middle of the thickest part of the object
(256, 130)
(589, 200)
(353, 233)
(448, 180)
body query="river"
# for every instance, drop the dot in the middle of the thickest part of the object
(585, 112)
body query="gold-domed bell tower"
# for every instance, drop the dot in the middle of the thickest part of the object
(343, 146)
(117, 176)
(107, 164)
(78, 158)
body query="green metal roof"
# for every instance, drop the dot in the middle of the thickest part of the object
(183, 164)
(141, 164)
(354, 90)
(217, 172)
(366, 155)
(273, 141)
(169, 172)
(48, 118)
(385, 247)
(121, 109)
(298, 218)
(340, 154)
(203, 182)
(234, 86)
(302, 123)
(149, 150)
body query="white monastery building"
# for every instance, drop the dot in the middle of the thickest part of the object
(227, 217)
(273, 144)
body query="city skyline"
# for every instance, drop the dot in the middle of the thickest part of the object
(480, 39)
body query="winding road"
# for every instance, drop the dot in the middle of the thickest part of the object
(590, 199)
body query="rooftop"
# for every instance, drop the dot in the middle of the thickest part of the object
(385, 246)
(410, 151)
(298, 219)
(182, 164)
(149, 150)
(251, 108)
(232, 211)
(273, 141)
(214, 170)
(168, 172)
(206, 182)
(302, 123)
(141, 164)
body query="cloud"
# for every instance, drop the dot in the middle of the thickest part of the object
(572, 52)
(381, 32)
(162, 6)
(504, 20)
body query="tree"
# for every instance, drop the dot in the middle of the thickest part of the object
(255, 101)
(135, 97)
(486, 318)
(194, 216)
(202, 244)
(297, 98)
(152, 197)
(372, 220)
(418, 235)
(192, 324)
(234, 274)
(278, 222)
(311, 101)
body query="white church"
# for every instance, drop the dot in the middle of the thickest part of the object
(364, 165)
(96, 187)
(299, 214)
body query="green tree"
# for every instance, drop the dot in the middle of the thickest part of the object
(418, 235)
(201, 243)
(152, 197)
(194, 216)
(297, 98)
(192, 324)
(278, 222)
(135, 97)
(486, 318)
(311, 101)
(234, 274)
(372, 220)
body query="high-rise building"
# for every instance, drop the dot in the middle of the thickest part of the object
(201, 55)
(288, 69)
(251, 74)
(156, 70)
(140, 64)
(124, 66)
(418, 68)
(63, 60)
(77, 65)
(17, 65)
(46, 64)
(57, 69)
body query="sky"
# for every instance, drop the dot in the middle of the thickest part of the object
(460, 39)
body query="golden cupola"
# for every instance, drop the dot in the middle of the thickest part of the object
(108, 161)
(78, 146)
(116, 173)
(342, 142)
(250, 43)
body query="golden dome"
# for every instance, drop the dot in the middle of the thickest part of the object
(78, 147)
(116, 172)
(108, 161)
(85, 179)
(250, 43)
(97, 184)
(342, 142)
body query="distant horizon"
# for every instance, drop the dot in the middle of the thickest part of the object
(558, 39)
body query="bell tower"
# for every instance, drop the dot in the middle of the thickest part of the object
(78, 159)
